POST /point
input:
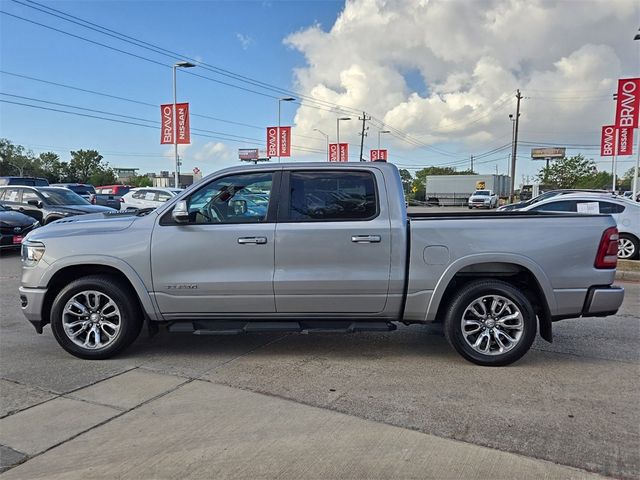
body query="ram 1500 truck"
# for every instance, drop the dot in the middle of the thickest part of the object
(316, 248)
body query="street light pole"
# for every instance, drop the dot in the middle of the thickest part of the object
(338, 129)
(379, 132)
(285, 99)
(326, 136)
(175, 120)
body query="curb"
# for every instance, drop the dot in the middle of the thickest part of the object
(627, 275)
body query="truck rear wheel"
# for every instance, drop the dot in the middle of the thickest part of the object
(490, 323)
(95, 317)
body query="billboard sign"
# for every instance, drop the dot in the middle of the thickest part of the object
(544, 153)
(333, 152)
(248, 153)
(166, 130)
(272, 141)
(607, 141)
(628, 103)
(625, 140)
(182, 119)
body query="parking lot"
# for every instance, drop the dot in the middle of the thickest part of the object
(375, 404)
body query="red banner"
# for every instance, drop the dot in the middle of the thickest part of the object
(333, 152)
(378, 155)
(182, 119)
(625, 141)
(373, 155)
(285, 141)
(607, 141)
(166, 116)
(272, 142)
(628, 103)
(382, 155)
(344, 152)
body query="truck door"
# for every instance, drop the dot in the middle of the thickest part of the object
(333, 249)
(222, 261)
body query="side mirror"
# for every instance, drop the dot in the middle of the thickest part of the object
(180, 212)
(35, 203)
(238, 207)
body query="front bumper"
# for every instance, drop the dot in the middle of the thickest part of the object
(31, 302)
(602, 301)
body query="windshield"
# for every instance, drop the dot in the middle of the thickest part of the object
(481, 192)
(62, 196)
(82, 189)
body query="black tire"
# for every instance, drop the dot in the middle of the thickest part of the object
(130, 318)
(634, 242)
(483, 288)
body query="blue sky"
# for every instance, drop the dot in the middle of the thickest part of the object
(444, 73)
(243, 37)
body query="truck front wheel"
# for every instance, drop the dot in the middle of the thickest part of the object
(490, 323)
(95, 317)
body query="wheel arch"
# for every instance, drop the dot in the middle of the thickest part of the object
(519, 271)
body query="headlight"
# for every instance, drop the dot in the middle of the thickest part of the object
(32, 252)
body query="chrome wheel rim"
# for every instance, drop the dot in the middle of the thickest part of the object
(492, 325)
(91, 320)
(625, 248)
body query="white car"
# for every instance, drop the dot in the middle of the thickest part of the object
(147, 197)
(483, 199)
(625, 212)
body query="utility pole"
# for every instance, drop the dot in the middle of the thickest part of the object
(472, 163)
(514, 150)
(364, 119)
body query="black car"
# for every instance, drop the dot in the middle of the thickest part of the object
(13, 227)
(85, 190)
(47, 204)
(33, 181)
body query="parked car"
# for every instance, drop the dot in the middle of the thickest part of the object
(117, 190)
(86, 191)
(625, 212)
(33, 181)
(47, 204)
(546, 195)
(147, 197)
(483, 199)
(200, 264)
(14, 226)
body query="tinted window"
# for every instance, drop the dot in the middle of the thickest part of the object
(62, 196)
(610, 207)
(29, 195)
(139, 194)
(41, 182)
(82, 189)
(234, 199)
(559, 206)
(332, 196)
(122, 190)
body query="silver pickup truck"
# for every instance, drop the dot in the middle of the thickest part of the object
(316, 248)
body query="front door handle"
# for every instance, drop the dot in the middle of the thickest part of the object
(254, 240)
(366, 239)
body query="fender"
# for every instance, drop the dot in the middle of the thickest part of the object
(475, 259)
(138, 284)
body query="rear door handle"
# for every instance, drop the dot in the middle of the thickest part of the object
(366, 239)
(254, 240)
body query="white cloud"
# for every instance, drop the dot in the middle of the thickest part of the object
(215, 154)
(245, 40)
(565, 57)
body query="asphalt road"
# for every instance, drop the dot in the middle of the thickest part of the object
(574, 402)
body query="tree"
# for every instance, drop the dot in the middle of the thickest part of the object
(140, 181)
(51, 167)
(83, 164)
(15, 160)
(626, 181)
(103, 177)
(407, 180)
(570, 172)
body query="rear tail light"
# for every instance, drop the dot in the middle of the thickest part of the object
(92, 199)
(607, 256)
(121, 200)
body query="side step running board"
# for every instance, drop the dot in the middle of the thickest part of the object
(223, 327)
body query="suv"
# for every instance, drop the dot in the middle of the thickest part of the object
(47, 204)
(33, 181)
(147, 197)
(84, 190)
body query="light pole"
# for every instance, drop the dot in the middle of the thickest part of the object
(634, 187)
(379, 132)
(284, 99)
(175, 119)
(326, 136)
(338, 131)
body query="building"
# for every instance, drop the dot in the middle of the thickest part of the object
(124, 175)
(165, 179)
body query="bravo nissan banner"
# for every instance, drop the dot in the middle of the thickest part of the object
(344, 152)
(333, 152)
(278, 142)
(378, 155)
(272, 142)
(628, 103)
(607, 141)
(182, 119)
(625, 141)
(166, 115)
